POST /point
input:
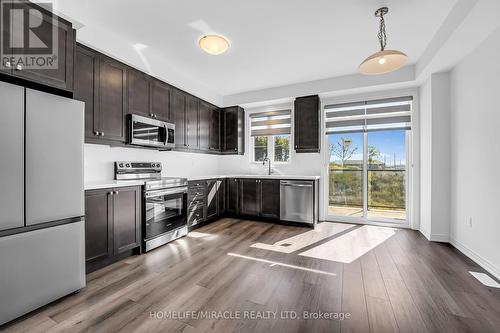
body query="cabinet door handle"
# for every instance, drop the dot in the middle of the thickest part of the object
(102, 134)
(96, 133)
(115, 192)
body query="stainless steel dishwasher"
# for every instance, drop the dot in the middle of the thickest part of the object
(297, 201)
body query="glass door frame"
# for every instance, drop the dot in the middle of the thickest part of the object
(364, 219)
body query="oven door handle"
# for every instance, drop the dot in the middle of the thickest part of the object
(166, 134)
(152, 194)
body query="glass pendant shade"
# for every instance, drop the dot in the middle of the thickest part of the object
(383, 62)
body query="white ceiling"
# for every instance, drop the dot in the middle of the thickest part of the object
(273, 42)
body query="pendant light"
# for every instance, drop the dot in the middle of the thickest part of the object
(384, 61)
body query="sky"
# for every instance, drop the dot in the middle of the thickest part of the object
(387, 143)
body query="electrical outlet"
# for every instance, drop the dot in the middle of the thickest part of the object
(469, 221)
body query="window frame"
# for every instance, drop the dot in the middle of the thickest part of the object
(270, 149)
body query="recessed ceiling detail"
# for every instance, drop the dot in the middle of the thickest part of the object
(268, 49)
(213, 44)
(384, 61)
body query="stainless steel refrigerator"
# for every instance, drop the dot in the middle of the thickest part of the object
(42, 233)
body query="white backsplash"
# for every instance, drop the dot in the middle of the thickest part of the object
(99, 161)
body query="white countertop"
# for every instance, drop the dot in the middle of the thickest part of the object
(95, 185)
(274, 176)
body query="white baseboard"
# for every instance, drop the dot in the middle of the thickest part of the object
(483, 262)
(425, 233)
(440, 238)
(434, 237)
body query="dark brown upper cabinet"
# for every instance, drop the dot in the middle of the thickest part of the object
(307, 124)
(85, 87)
(178, 108)
(111, 90)
(205, 111)
(138, 93)
(147, 96)
(60, 77)
(192, 122)
(161, 95)
(214, 135)
(100, 82)
(233, 133)
(112, 99)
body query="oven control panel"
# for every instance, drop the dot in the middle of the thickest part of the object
(137, 170)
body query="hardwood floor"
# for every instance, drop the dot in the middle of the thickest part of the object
(385, 280)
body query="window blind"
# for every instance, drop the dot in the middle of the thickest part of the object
(375, 115)
(270, 123)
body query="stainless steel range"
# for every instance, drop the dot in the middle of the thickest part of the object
(165, 202)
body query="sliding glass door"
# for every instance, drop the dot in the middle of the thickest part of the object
(367, 175)
(386, 174)
(367, 160)
(346, 170)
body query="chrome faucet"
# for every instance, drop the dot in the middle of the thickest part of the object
(266, 159)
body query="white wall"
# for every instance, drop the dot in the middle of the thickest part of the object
(120, 47)
(308, 164)
(425, 158)
(99, 161)
(475, 157)
(435, 157)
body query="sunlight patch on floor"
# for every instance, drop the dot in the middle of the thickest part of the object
(485, 279)
(275, 263)
(351, 245)
(196, 234)
(295, 243)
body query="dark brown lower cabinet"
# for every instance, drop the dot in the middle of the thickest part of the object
(270, 198)
(212, 199)
(206, 201)
(126, 219)
(232, 202)
(112, 225)
(250, 197)
(256, 197)
(98, 225)
(221, 194)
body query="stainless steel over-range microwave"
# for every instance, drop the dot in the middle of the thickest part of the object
(144, 131)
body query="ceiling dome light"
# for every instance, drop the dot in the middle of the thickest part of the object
(384, 61)
(213, 44)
